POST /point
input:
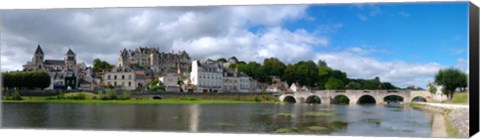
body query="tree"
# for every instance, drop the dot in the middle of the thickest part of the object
(334, 83)
(321, 63)
(354, 85)
(223, 60)
(101, 66)
(274, 67)
(431, 88)
(450, 79)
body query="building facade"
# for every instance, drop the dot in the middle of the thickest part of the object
(213, 76)
(207, 76)
(40, 63)
(120, 77)
(170, 80)
(63, 73)
(153, 58)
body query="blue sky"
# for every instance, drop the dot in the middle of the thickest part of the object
(420, 33)
(402, 43)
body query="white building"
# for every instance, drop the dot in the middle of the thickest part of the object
(438, 95)
(122, 77)
(212, 76)
(235, 81)
(170, 80)
(207, 76)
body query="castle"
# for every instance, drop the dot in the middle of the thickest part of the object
(153, 58)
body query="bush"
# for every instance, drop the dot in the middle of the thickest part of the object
(126, 95)
(80, 96)
(257, 99)
(6, 96)
(157, 88)
(61, 95)
(16, 96)
(110, 96)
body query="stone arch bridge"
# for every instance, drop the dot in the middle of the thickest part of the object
(354, 96)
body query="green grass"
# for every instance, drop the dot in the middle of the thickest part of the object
(125, 98)
(131, 101)
(458, 98)
(451, 131)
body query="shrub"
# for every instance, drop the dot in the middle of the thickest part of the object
(111, 95)
(61, 95)
(16, 96)
(80, 96)
(257, 99)
(126, 95)
(6, 96)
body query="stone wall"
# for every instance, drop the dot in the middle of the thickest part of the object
(457, 115)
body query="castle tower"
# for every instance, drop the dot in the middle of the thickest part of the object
(38, 58)
(124, 59)
(70, 60)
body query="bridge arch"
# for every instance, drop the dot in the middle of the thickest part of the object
(393, 98)
(340, 99)
(418, 99)
(366, 99)
(289, 99)
(313, 99)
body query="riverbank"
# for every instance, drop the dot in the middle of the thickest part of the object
(456, 117)
(157, 99)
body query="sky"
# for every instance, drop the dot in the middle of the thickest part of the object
(405, 44)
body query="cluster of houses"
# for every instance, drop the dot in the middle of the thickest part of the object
(175, 71)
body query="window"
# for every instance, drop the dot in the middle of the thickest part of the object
(115, 77)
(129, 84)
(108, 77)
(129, 76)
(123, 77)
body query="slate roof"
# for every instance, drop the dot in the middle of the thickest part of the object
(54, 62)
(39, 50)
(70, 52)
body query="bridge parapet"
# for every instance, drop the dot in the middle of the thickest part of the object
(354, 96)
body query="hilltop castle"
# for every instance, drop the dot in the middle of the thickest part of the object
(153, 58)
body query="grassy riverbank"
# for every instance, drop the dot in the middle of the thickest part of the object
(459, 98)
(85, 97)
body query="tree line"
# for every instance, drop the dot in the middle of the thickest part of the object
(25, 80)
(318, 75)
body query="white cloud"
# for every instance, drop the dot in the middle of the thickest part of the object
(103, 32)
(399, 73)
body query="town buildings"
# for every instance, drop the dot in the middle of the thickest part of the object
(212, 76)
(125, 78)
(63, 73)
(170, 81)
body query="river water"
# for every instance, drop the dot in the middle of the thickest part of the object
(339, 120)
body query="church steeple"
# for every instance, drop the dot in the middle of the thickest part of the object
(39, 50)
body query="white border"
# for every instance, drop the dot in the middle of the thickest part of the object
(46, 4)
(73, 134)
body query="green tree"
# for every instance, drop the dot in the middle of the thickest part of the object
(431, 88)
(334, 83)
(223, 60)
(101, 66)
(450, 79)
(274, 67)
(354, 85)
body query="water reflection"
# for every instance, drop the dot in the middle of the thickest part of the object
(356, 120)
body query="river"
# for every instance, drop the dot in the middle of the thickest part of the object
(339, 120)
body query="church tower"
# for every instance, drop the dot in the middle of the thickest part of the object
(38, 58)
(70, 60)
